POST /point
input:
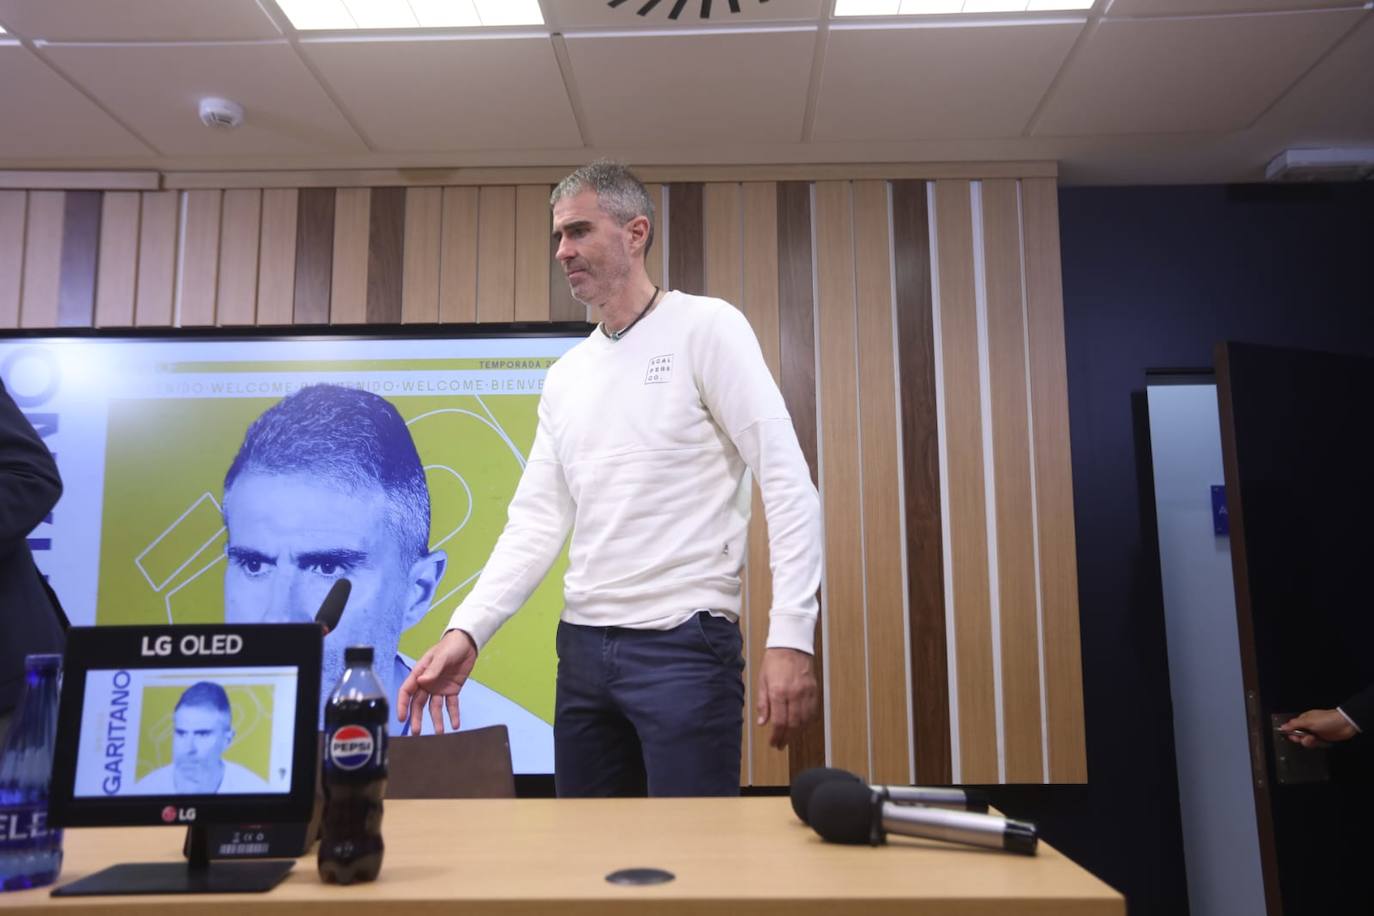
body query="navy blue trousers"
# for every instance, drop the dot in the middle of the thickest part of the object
(649, 712)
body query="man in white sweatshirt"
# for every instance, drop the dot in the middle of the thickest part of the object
(648, 431)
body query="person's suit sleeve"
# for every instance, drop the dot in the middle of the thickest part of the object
(1360, 708)
(29, 482)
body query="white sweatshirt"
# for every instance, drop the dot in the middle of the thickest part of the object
(643, 450)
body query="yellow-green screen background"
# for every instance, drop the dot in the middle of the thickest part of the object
(162, 538)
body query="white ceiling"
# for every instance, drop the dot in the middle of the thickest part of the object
(1133, 91)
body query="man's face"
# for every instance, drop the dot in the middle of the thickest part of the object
(595, 251)
(292, 536)
(199, 736)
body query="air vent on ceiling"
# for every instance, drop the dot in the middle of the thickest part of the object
(675, 8)
(1327, 164)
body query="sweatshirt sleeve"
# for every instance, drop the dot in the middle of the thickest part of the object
(740, 393)
(537, 523)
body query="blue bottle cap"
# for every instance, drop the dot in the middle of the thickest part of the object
(40, 663)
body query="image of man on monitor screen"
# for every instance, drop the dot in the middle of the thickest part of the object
(328, 485)
(202, 729)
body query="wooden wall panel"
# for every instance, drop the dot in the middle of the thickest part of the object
(385, 255)
(277, 256)
(722, 267)
(157, 258)
(314, 255)
(685, 239)
(654, 262)
(921, 484)
(968, 545)
(348, 285)
(239, 246)
(14, 206)
(797, 355)
(458, 256)
(533, 226)
(889, 696)
(42, 259)
(117, 269)
(1053, 482)
(724, 279)
(199, 273)
(841, 469)
(768, 766)
(484, 252)
(496, 254)
(424, 233)
(80, 256)
(1010, 447)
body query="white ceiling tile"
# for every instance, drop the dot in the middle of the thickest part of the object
(1208, 7)
(156, 89)
(598, 14)
(1171, 75)
(1332, 104)
(693, 89)
(450, 93)
(931, 83)
(43, 116)
(137, 20)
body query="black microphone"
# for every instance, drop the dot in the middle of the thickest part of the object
(849, 812)
(332, 608)
(804, 786)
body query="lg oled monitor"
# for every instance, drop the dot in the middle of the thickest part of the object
(187, 725)
(203, 726)
(230, 477)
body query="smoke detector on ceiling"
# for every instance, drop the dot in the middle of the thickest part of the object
(1326, 164)
(220, 113)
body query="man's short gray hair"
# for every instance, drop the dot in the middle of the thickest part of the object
(618, 191)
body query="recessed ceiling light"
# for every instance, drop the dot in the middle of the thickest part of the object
(953, 7)
(335, 15)
(509, 12)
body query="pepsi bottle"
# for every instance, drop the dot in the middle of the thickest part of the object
(30, 850)
(355, 727)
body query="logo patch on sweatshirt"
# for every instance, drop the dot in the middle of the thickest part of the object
(660, 370)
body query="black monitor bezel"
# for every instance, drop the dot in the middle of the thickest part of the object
(105, 647)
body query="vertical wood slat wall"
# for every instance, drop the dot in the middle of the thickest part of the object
(915, 329)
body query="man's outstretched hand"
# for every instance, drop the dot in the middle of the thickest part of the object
(435, 681)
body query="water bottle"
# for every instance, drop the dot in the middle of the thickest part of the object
(30, 851)
(355, 728)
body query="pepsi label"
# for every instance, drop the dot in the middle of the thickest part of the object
(352, 747)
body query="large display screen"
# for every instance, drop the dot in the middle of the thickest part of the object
(232, 479)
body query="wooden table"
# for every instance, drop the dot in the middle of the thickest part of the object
(731, 856)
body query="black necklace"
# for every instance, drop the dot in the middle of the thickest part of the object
(616, 335)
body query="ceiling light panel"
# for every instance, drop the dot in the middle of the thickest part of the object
(378, 15)
(953, 7)
(309, 15)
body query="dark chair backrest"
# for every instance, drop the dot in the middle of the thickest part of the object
(466, 764)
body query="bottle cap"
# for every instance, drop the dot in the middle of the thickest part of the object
(42, 662)
(358, 655)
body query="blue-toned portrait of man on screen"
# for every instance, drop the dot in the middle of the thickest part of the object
(202, 728)
(327, 485)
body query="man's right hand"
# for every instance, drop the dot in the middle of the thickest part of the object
(435, 680)
(1322, 726)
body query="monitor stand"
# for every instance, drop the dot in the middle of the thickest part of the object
(198, 875)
